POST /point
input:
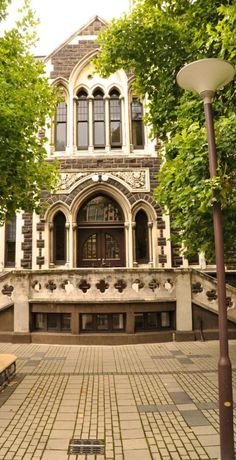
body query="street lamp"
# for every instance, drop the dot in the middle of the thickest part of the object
(205, 77)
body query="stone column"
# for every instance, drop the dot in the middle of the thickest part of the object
(130, 322)
(75, 322)
(150, 242)
(135, 263)
(74, 243)
(127, 244)
(184, 302)
(67, 244)
(21, 304)
(51, 261)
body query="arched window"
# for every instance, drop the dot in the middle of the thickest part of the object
(10, 241)
(141, 238)
(99, 119)
(59, 239)
(100, 233)
(115, 119)
(61, 127)
(82, 121)
(137, 124)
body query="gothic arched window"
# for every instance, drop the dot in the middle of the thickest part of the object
(141, 237)
(82, 120)
(61, 127)
(99, 119)
(137, 124)
(115, 118)
(59, 239)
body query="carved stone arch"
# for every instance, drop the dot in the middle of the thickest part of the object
(81, 65)
(62, 82)
(98, 87)
(80, 194)
(80, 87)
(115, 87)
(54, 209)
(148, 208)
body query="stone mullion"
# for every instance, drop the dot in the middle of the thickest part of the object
(134, 243)
(67, 244)
(74, 239)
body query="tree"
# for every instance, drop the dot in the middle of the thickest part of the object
(26, 101)
(154, 41)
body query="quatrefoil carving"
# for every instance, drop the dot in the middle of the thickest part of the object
(153, 285)
(7, 290)
(51, 286)
(120, 285)
(102, 285)
(84, 286)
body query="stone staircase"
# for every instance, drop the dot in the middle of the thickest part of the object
(204, 294)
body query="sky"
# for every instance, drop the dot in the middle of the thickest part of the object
(61, 18)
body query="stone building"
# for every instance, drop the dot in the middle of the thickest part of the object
(98, 266)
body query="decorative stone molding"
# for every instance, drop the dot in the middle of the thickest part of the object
(229, 303)
(211, 295)
(153, 285)
(168, 285)
(67, 286)
(51, 286)
(135, 180)
(84, 286)
(7, 290)
(102, 285)
(120, 285)
(197, 288)
(137, 285)
(36, 286)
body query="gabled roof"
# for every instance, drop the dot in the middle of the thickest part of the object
(80, 31)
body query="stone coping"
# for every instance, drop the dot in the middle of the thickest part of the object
(6, 360)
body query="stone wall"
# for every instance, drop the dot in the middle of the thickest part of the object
(26, 245)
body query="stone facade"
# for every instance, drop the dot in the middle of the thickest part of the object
(82, 279)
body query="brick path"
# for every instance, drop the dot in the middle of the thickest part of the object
(154, 401)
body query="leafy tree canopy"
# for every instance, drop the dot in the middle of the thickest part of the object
(26, 101)
(154, 41)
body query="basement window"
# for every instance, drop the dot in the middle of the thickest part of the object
(51, 322)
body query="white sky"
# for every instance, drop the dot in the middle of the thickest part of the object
(61, 18)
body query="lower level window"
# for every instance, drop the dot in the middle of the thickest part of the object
(153, 320)
(52, 322)
(102, 322)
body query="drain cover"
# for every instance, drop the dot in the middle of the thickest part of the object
(86, 447)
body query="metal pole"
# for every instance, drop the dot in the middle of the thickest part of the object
(224, 364)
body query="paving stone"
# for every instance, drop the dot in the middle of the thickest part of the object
(137, 455)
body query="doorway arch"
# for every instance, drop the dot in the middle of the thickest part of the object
(101, 241)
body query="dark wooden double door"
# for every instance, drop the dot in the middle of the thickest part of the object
(101, 247)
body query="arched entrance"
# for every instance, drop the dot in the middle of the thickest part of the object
(100, 233)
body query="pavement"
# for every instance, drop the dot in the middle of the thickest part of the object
(133, 402)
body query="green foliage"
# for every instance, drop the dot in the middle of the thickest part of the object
(26, 100)
(155, 41)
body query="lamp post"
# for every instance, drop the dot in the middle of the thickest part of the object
(205, 77)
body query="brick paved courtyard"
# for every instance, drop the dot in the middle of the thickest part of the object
(153, 401)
